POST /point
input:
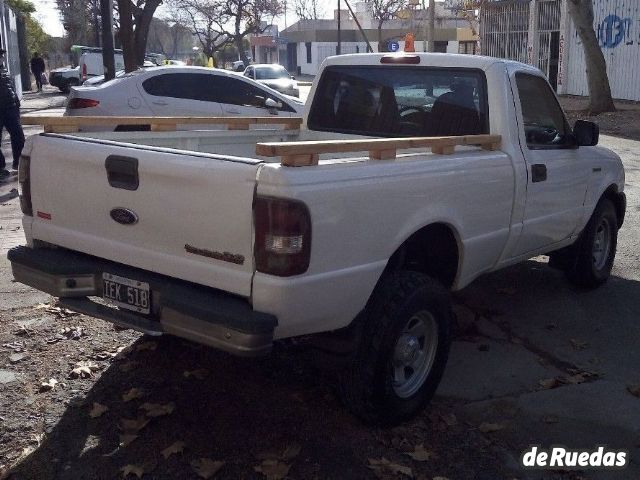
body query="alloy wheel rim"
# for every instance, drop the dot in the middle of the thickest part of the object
(414, 354)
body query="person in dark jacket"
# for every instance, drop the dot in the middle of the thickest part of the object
(9, 117)
(37, 68)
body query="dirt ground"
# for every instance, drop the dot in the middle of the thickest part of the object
(622, 123)
(136, 396)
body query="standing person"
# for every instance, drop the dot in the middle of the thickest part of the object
(9, 117)
(37, 68)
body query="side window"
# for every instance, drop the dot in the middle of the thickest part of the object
(189, 86)
(308, 47)
(545, 125)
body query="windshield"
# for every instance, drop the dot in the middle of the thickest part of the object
(271, 73)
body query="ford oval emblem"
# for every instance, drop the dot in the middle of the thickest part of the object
(124, 216)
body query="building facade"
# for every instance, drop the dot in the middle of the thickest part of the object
(541, 33)
(9, 42)
(303, 46)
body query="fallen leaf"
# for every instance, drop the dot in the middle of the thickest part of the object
(486, 427)
(26, 331)
(205, 467)
(574, 379)
(73, 333)
(132, 394)
(83, 369)
(548, 383)
(147, 346)
(157, 409)
(273, 469)
(291, 452)
(384, 466)
(420, 454)
(578, 344)
(136, 470)
(200, 373)
(48, 385)
(634, 390)
(174, 448)
(97, 410)
(134, 425)
(127, 438)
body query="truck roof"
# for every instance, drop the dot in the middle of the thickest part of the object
(431, 59)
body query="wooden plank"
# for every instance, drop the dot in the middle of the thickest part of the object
(443, 149)
(389, 154)
(300, 160)
(163, 127)
(290, 122)
(275, 149)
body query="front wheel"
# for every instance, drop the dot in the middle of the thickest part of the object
(402, 351)
(596, 248)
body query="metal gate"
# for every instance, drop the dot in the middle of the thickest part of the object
(548, 38)
(504, 29)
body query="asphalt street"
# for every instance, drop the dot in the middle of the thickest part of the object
(542, 361)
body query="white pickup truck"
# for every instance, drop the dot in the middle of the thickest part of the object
(412, 175)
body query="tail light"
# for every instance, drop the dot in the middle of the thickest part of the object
(283, 236)
(24, 180)
(84, 72)
(82, 103)
(401, 59)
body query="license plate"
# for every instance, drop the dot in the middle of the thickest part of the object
(126, 293)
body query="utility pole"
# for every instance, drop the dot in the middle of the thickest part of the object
(432, 24)
(108, 60)
(339, 49)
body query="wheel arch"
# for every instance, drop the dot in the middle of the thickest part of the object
(619, 201)
(434, 249)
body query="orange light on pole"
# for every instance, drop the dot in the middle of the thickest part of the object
(409, 43)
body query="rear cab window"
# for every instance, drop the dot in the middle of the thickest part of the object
(401, 101)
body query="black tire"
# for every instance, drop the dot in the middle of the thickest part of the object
(584, 270)
(366, 384)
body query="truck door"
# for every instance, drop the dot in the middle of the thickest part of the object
(557, 182)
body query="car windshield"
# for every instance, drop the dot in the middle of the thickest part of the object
(271, 73)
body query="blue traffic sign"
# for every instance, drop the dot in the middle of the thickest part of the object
(393, 46)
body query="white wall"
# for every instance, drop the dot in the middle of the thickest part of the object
(617, 23)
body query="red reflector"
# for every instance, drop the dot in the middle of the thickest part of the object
(401, 59)
(82, 103)
(46, 216)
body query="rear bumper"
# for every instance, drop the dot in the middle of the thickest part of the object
(204, 315)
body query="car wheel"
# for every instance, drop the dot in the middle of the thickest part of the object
(595, 250)
(402, 351)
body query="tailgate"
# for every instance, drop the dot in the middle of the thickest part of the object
(189, 216)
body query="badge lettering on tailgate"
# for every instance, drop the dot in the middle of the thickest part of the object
(223, 256)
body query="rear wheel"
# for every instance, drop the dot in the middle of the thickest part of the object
(596, 249)
(402, 351)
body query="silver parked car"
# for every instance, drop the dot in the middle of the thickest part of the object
(274, 76)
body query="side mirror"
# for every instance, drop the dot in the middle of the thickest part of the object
(271, 103)
(292, 77)
(586, 133)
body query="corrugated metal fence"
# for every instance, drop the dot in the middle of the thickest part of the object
(617, 23)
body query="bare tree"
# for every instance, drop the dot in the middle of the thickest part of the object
(200, 16)
(217, 23)
(308, 9)
(383, 10)
(600, 99)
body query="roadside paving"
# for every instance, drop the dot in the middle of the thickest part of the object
(535, 361)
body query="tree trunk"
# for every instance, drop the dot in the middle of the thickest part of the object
(600, 100)
(143, 22)
(380, 49)
(126, 35)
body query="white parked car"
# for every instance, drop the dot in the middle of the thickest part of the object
(181, 91)
(274, 76)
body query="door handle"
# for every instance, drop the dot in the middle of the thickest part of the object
(159, 102)
(232, 110)
(122, 172)
(538, 172)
